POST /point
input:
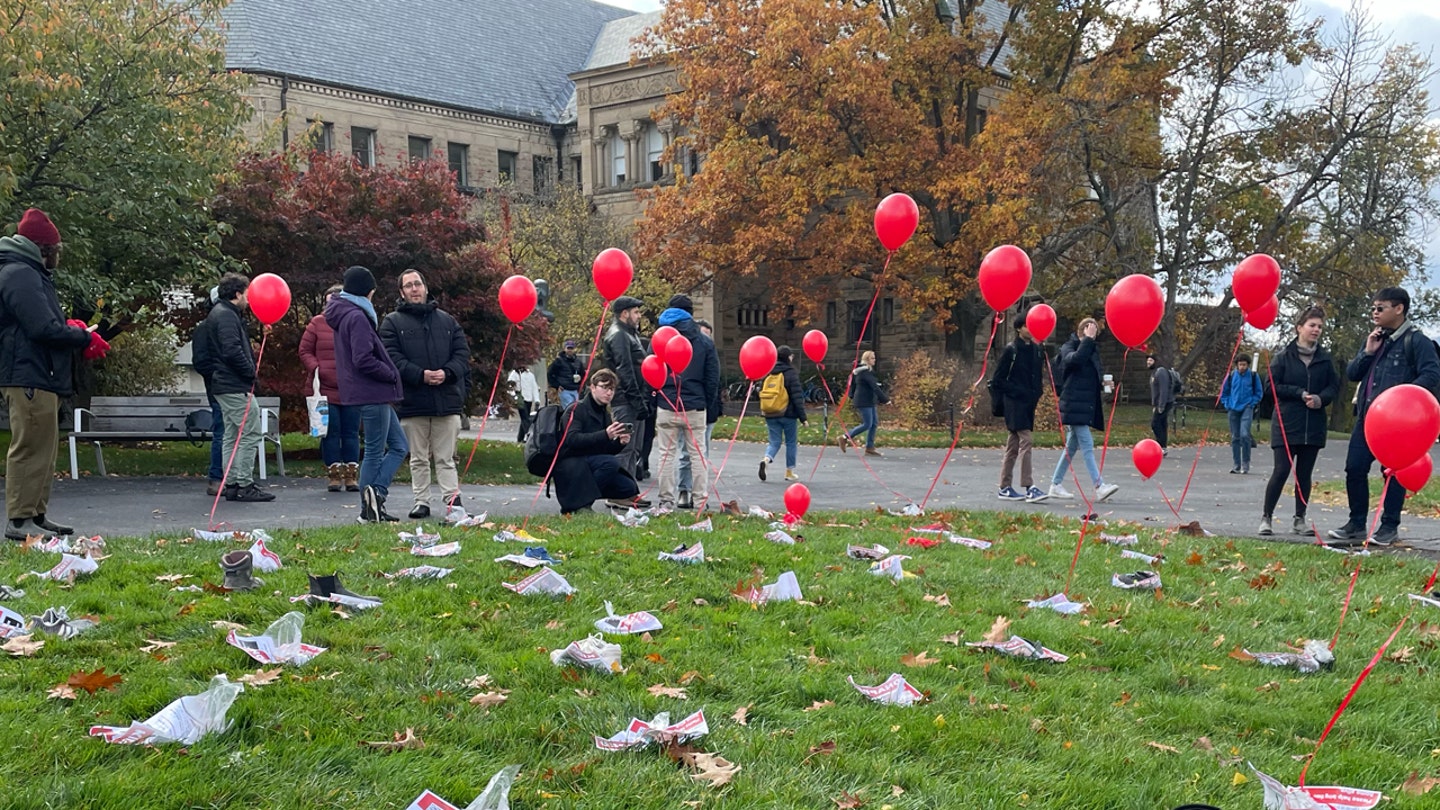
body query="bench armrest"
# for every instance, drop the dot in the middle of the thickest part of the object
(79, 425)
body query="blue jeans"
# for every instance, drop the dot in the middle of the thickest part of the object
(1077, 437)
(1240, 439)
(217, 441)
(685, 479)
(788, 428)
(341, 444)
(385, 447)
(568, 398)
(869, 421)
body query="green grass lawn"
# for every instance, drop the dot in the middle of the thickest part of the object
(1150, 712)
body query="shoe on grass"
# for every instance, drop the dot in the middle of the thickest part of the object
(1010, 494)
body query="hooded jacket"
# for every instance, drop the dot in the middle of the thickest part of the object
(865, 390)
(700, 381)
(1241, 390)
(364, 372)
(1080, 402)
(231, 359)
(1019, 377)
(423, 336)
(36, 345)
(317, 353)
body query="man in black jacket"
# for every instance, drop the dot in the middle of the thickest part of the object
(232, 382)
(1019, 381)
(202, 357)
(431, 351)
(37, 345)
(589, 466)
(565, 373)
(623, 355)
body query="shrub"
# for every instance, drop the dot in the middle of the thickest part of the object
(141, 361)
(920, 388)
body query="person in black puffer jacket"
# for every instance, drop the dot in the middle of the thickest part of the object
(588, 466)
(867, 396)
(232, 382)
(1018, 380)
(431, 352)
(1081, 408)
(1305, 382)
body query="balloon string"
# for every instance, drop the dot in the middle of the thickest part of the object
(825, 443)
(1114, 400)
(736, 434)
(703, 467)
(969, 403)
(1075, 474)
(1289, 454)
(499, 367)
(865, 327)
(1355, 575)
(1210, 418)
(239, 431)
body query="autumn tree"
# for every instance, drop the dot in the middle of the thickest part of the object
(118, 116)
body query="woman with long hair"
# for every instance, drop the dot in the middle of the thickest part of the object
(1305, 382)
(868, 396)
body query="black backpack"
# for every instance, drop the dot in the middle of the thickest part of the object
(544, 439)
(1410, 349)
(1177, 385)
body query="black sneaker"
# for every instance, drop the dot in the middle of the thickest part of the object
(228, 493)
(252, 494)
(52, 526)
(386, 517)
(685, 501)
(369, 505)
(420, 512)
(1385, 536)
(1350, 531)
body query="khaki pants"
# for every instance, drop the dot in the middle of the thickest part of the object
(34, 443)
(240, 461)
(432, 438)
(1017, 445)
(671, 429)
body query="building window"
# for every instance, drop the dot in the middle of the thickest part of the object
(830, 315)
(887, 311)
(459, 155)
(543, 170)
(860, 331)
(362, 145)
(509, 166)
(419, 149)
(575, 166)
(752, 315)
(654, 148)
(322, 136)
(617, 159)
(692, 162)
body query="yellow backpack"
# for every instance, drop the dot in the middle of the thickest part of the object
(774, 397)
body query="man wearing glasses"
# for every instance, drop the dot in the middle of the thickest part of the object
(1396, 352)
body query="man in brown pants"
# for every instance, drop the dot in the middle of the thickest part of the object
(1019, 379)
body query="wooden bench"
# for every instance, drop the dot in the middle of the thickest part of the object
(161, 419)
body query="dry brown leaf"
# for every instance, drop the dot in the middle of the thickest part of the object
(896, 790)
(847, 801)
(1417, 785)
(921, 660)
(690, 676)
(22, 646)
(661, 690)
(338, 612)
(713, 769)
(953, 638)
(1194, 558)
(742, 714)
(818, 705)
(171, 577)
(1404, 655)
(1240, 655)
(824, 749)
(61, 691)
(1204, 744)
(479, 682)
(1220, 639)
(999, 631)
(655, 658)
(227, 626)
(1268, 687)
(93, 682)
(400, 742)
(1169, 749)
(490, 699)
(152, 645)
(943, 600)
(814, 660)
(186, 610)
(261, 677)
(553, 625)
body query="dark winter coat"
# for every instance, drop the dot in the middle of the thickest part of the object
(1080, 384)
(233, 359)
(1291, 378)
(700, 381)
(796, 392)
(1405, 356)
(423, 336)
(202, 351)
(37, 347)
(562, 372)
(1018, 377)
(865, 390)
(317, 352)
(364, 372)
(623, 354)
(575, 485)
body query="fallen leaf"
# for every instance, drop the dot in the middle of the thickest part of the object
(896, 790)
(815, 661)
(1404, 655)
(655, 658)
(1169, 749)
(553, 625)
(847, 801)
(999, 631)
(1268, 687)
(22, 646)
(1417, 785)
(171, 577)
(818, 705)
(186, 610)
(741, 714)
(152, 645)
(479, 682)
(953, 638)
(1238, 779)
(1215, 645)
(921, 660)
(661, 690)
(261, 677)
(61, 691)
(490, 699)
(338, 612)
(824, 749)
(713, 769)
(943, 600)
(586, 693)
(400, 742)
(93, 682)
(1194, 558)
(690, 676)
(1240, 655)
(1263, 581)
(1204, 744)
(227, 626)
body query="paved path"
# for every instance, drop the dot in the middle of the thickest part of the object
(1224, 504)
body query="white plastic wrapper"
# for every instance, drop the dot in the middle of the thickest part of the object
(456, 516)
(689, 555)
(908, 510)
(421, 572)
(1060, 603)
(420, 537)
(1145, 558)
(522, 560)
(784, 589)
(1429, 600)
(967, 541)
(890, 567)
(495, 797)
(895, 691)
(875, 552)
(1018, 647)
(541, 582)
(84, 546)
(639, 733)
(1313, 657)
(632, 518)
(356, 602)
(1137, 581)
(593, 652)
(1315, 797)
(628, 624)
(225, 537)
(279, 644)
(706, 525)
(69, 565)
(184, 721)
(264, 559)
(1120, 539)
(763, 514)
(780, 536)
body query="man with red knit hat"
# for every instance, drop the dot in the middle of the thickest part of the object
(37, 345)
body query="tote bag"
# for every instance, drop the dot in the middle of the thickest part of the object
(319, 407)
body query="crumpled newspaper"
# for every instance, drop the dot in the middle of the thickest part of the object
(705, 525)
(279, 644)
(1314, 797)
(780, 536)
(630, 623)
(632, 518)
(1060, 603)
(895, 691)
(496, 795)
(875, 552)
(690, 555)
(763, 514)
(420, 537)
(69, 566)
(11, 623)
(593, 652)
(263, 558)
(225, 537)
(1120, 539)
(967, 541)
(639, 733)
(84, 546)
(890, 567)
(184, 721)
(517, 536)
(57, 622)
(523, 560)
(908, 510)
(420, 572)
(541, 582)
(1020, 648)
(345, 600)
(1145, 558)
(463, 520)
(784, 589)
(1137, 581)
(437, 550)
(1312, 657)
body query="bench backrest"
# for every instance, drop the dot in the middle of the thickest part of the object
(158, 414)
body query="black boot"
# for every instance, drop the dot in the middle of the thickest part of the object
(239, 567)
(328, 586)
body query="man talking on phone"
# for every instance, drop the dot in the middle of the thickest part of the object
(1395, 352)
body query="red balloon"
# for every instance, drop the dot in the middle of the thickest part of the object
(678, 352)
(757, 357)
(896, 218)
(1133, 309)
(1040, 320)
(1401, 425)
(661, 339)
(653, 371)
(797, 499)
(1256, 278)
(1147, 456)
(1004, 276)
(816, 345)
(1264, 315)
(1417, 475)
(612, 272)
(269, 297)
(517, 298)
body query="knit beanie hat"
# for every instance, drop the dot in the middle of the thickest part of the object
(38, 228)
(359, 281)
(682, 301)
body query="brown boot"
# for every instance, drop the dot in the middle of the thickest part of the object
(870, 451)
(336, 474)
(352, 477)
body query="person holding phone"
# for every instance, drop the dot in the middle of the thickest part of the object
(1081, 408)
(589, 465)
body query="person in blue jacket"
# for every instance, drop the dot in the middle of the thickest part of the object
(1240, 393)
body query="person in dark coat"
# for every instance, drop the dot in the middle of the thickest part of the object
(232, 382)
(1305, 382)
(431, 353)
(565, 373)
(202, 357)
(867, 396)
(340, 448)
(367, 379)
(1081, 408)
(786, 426)
(588, 466)
(37, 347)
(1018, 379)
(634, 401)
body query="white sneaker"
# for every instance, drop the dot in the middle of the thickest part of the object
(1060, 493)
(1105, 491)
